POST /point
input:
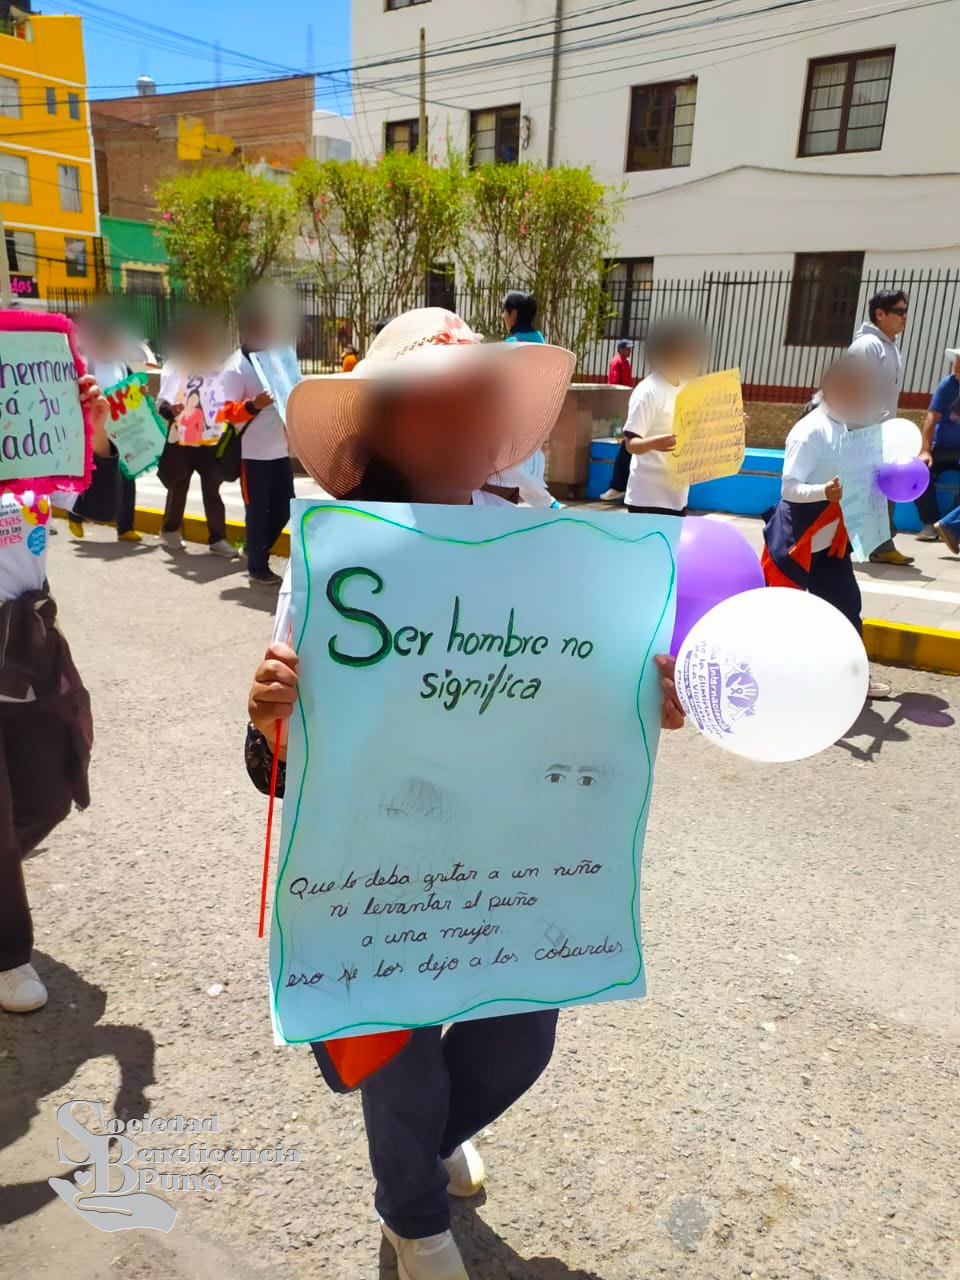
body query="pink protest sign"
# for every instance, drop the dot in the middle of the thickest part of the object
(45, 434)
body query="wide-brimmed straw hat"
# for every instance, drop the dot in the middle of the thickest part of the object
(326, 413)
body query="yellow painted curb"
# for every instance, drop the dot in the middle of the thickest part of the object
(194, 528)
(923, 648)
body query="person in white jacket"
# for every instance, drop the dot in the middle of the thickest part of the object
(876, 342)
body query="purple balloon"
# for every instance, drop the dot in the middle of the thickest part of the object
(714, 562)
(903, 481)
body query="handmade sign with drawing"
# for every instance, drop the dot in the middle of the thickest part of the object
(279, 372)
(135, 427)
(709, 426)
(44, 435)
(470, 762)
(864, 507)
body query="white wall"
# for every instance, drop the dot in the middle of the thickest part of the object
(332, 136)
(746, 198)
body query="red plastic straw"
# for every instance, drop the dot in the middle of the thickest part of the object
(266, 849)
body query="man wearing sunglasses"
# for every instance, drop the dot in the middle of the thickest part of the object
(876, 342)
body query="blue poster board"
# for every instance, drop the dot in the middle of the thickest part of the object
(279, 371)
(470, 762)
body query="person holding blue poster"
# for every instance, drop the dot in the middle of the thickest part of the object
(266, 474)
(111, 497)
(425, 418)
(806, 541)
(46, 729)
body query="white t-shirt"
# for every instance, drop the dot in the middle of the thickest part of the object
(811, 459)
(651, 414)
(264, 438)
(24, 533)
(282, 618)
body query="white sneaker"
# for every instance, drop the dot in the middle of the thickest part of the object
(613, 495)
(170, 538)
(879, 688)
(21, 990)
(928, 534)
(432, 1258)
(225, 549)
(466, 1171)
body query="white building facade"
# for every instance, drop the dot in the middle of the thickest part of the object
(814, 142)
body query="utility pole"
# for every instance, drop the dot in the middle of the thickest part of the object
(6, 294)
(423, 94)
(554, 83)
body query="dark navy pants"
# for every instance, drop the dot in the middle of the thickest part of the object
(267, 490)
(435, 1094)
(832, 579)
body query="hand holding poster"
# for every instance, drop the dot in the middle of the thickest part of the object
(135, 427)
(279, 372)
(44, 434)
(470, 763)
(709, 426)
(863, 505)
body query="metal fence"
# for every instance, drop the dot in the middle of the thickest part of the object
(781, 329)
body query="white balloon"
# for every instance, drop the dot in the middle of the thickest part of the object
(772, 674)
(901, 439)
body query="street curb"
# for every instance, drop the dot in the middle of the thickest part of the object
(194, 528)
(922, 648)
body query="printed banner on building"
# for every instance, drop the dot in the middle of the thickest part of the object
(864, 507)
(470, 762)
(708, 424)
(44, 436)
(135, 427)
(279, 372)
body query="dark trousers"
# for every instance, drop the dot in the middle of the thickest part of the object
(928, 508)
(111, 497)
(177, 464)
(34, 798)
(435, 1094)
(832, 579)
(267, 490)
(621, 469)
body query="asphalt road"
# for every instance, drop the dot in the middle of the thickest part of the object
(783, 1105)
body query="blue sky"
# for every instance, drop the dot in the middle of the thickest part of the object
(120, 47)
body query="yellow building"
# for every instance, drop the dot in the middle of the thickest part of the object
(48, 193)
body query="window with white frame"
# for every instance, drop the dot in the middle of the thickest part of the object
(14, 179)
(75, 254)
(68, 177)
(22, 252)
(10, 97)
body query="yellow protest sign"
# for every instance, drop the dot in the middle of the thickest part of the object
(708, 424)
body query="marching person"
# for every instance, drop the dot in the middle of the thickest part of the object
(446, 412)
(876, 343)
(110, 498)
(806, 543)
(941, 451)
(676, 351)
(189, 402)
(266, 472)
(46, 730)
(620, 374)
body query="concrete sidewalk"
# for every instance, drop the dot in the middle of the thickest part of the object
(912, 614)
